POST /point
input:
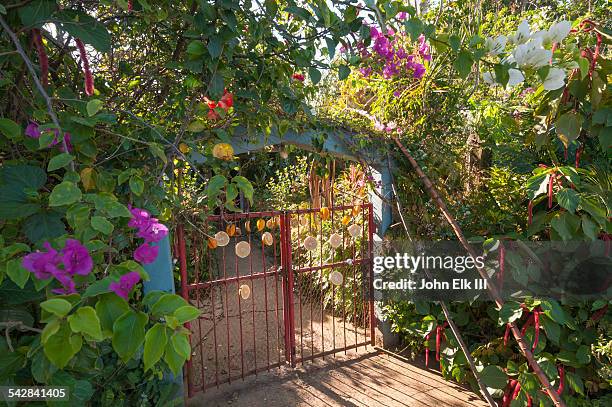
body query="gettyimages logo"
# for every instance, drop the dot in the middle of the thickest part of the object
(444, 271)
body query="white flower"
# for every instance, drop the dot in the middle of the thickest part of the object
(559, 31)
(516, 77)
(489, 78)
(495, 46)
(556, 33)
(554, 79)
(522, 33)
(532, 55)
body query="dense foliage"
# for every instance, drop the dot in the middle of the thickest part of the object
(510, 120)
(115, 118)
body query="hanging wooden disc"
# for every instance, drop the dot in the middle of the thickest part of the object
(222, 238)
(244, 291)
(243, 249)
(310, 243)
(336, 277)
(354, 230)
(267, 238)
(335, 240)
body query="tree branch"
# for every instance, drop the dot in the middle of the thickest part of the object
(39, 85)
(523, 346)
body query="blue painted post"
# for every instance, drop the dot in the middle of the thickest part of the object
(162, 279)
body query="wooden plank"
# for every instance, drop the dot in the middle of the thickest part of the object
(409, 385)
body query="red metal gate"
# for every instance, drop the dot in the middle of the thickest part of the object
(306, 294)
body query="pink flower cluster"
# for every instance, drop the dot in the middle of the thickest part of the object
(150, 230)
(395, 58)
(125, 284)
(74, 259)
(33, 131)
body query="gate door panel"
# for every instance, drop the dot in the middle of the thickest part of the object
(241, 330)
(331, 252)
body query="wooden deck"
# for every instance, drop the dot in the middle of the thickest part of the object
(360, 379)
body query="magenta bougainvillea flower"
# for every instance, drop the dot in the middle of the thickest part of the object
(42, 264)
(33, 131)
(145, 253)
(76, 258)
(389, 50)
(125, 284)
(73, 259)
(149, 229)
(140, 217)
(153, 232)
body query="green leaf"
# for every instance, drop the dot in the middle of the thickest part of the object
(17, 273)
(36, 12)
(583, 354)
(50, 329)
(554, 311)
(129, 333)
(343, 72)
(136, 185)
(215, 185)
(167, 304)
(245, 186)
(414, 27)
(97, 288)
(173, 359)
(180, 342)
(552, 329)
(22, 177)
(463, 63)
(59, 161)
(46, 139)
(94, 106)
(86, 28)
(155, 343)
(215, 46)
(568, 199)
(575, 382)
(509, 312)
(85, 320)
(101, 224)
(15, 204)
(109, 308)
(186, 314)
(57, 306)
(298, 12)
(568, 127)
(60, 347)
(158, 152)
(216, 86)
(566, 225)
(590, 228)
(152, 297)
(196, 48)
(9, 128)
(65, 193)
(315, 75)
(331, 49)
(493, 376)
